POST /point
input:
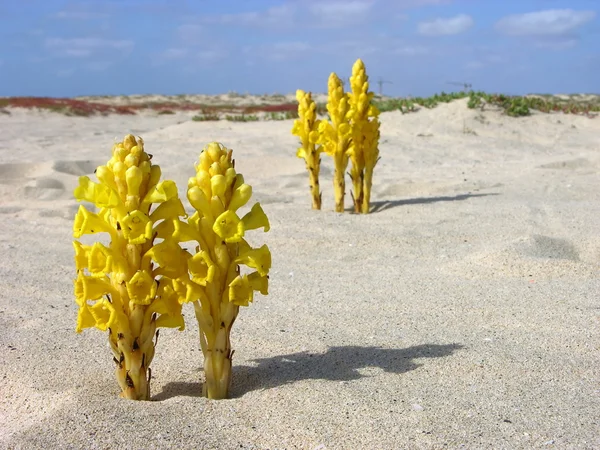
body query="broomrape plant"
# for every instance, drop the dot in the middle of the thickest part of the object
(135, 285)
(351, 134)
(335, 136)
(306, 127)
(130, 297)
(364, 149)
(214, 282)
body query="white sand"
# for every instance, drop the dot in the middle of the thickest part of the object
(463, 313)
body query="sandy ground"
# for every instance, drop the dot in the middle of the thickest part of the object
(463, 312)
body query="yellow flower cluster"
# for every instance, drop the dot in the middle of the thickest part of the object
(336, 136)
(352, 133)
(119, 280)
(306, 127)
(364, 149)
(136, 285)
(214, 282)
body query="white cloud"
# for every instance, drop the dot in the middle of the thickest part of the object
(410, 50)
(486, 61)
(211, 54)
(544, 23)
(475, 65)
(275, 16)
(174, 53)
(99, 66)
(446, 26)
(556, 44)
(85, 47)
(278, 51)
(335, 13)
(334, 10)
(190, 32)
(63, 73)
(79, 15)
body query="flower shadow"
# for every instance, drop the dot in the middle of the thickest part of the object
(336, 364)
(387, 204)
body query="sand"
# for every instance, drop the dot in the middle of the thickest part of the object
(463, 312)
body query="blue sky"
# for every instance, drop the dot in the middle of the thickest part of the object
(104, 47)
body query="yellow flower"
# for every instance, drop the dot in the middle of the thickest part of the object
(218, 185)
(141, 288)
(229, 227)
(199, 201)
(167, 305)
(240, 291)
(99, 260)
(87, 222)
(91, 288)
(81, 255)
(240, 197)
(170, 257)
(259, 282)
(85, 319)
(104, 314)
(163, 191)
(202, 268)
(306, 127)
(255, 219)
(137, 227)
(168, 210)
(98, 194)
(133, 178)
(257, 258)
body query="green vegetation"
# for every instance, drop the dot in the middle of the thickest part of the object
(206, 116)
(284, 115)
(242, 117)
(514, 106)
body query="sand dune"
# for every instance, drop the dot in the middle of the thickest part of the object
(462, 313)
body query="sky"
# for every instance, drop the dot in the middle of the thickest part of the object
(415, 47)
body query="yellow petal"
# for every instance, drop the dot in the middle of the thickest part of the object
(257, 258)
(256, 218)
(170, 209)
(169, 321)
(106, 177)
(163, 191)
(170, 257)
(229, 227)
(199, 201)
(240, 197)
(202, 268)
(240, 291)
(100, 260)
(141, 288)
(133, 178)
(98, 194)
(167, 305)
(137, 227)
(259, 282)
(218, 186)
(81, 255)
(87, 222)
(85, 319)
(104, 314)
(186, 290)
(91, 288)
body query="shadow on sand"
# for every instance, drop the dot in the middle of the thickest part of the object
(387, 204)
(336, 364)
